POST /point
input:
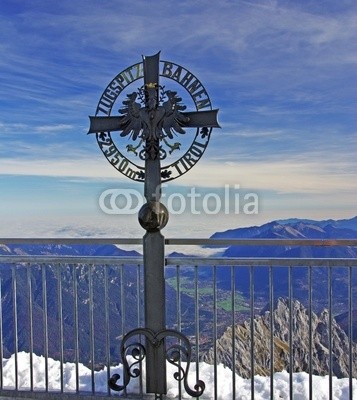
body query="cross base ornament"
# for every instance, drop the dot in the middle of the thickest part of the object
(174, 354)
(151, 121)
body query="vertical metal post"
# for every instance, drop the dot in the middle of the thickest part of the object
(330, 363)
(252, 361)
(310, 332)
(1, 338)
(215, 380)
(91, 326)
(350, 333)
(291, 333)
(107, 325)
(14, 313)
(30, 316)
(233, 293)
(153, 241)
(76, 323)
(60, 323)
(271, 318)
(45, 322)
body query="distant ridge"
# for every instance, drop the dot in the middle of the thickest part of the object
(342, 223)
(295, 228)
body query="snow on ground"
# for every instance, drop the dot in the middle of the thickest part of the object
(206, 371)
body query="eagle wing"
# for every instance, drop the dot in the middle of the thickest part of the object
(131, 122)
(173, 120)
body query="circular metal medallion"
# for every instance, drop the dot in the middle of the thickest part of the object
(182, 143)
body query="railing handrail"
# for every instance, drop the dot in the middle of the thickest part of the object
(179, 261)
(260, 261)
(59, 259)
(263, 242)
(71, 241)
(185, 241)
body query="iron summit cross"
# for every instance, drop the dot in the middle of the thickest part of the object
(151, 125)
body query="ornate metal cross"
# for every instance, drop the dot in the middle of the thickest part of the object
(151, 118)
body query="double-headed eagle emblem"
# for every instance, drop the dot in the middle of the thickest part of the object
(153, 124)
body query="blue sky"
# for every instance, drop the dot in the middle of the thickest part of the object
(282, 73)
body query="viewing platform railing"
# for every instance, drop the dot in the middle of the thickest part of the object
(62, 317)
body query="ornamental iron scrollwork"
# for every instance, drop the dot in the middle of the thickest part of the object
(174, 355)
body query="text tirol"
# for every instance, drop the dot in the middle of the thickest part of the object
(193, 154)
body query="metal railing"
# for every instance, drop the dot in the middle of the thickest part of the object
(62, 319)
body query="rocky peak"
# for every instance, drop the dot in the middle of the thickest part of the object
(281, 335)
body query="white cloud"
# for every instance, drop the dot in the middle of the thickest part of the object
(11, 127)
(315, 176)
(53, 128)
(299, 175)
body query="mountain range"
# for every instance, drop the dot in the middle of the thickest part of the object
(296, 229)
(125, 301)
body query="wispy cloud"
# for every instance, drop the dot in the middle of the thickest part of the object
(53, 128)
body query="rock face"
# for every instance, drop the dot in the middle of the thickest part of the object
(300, 344)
